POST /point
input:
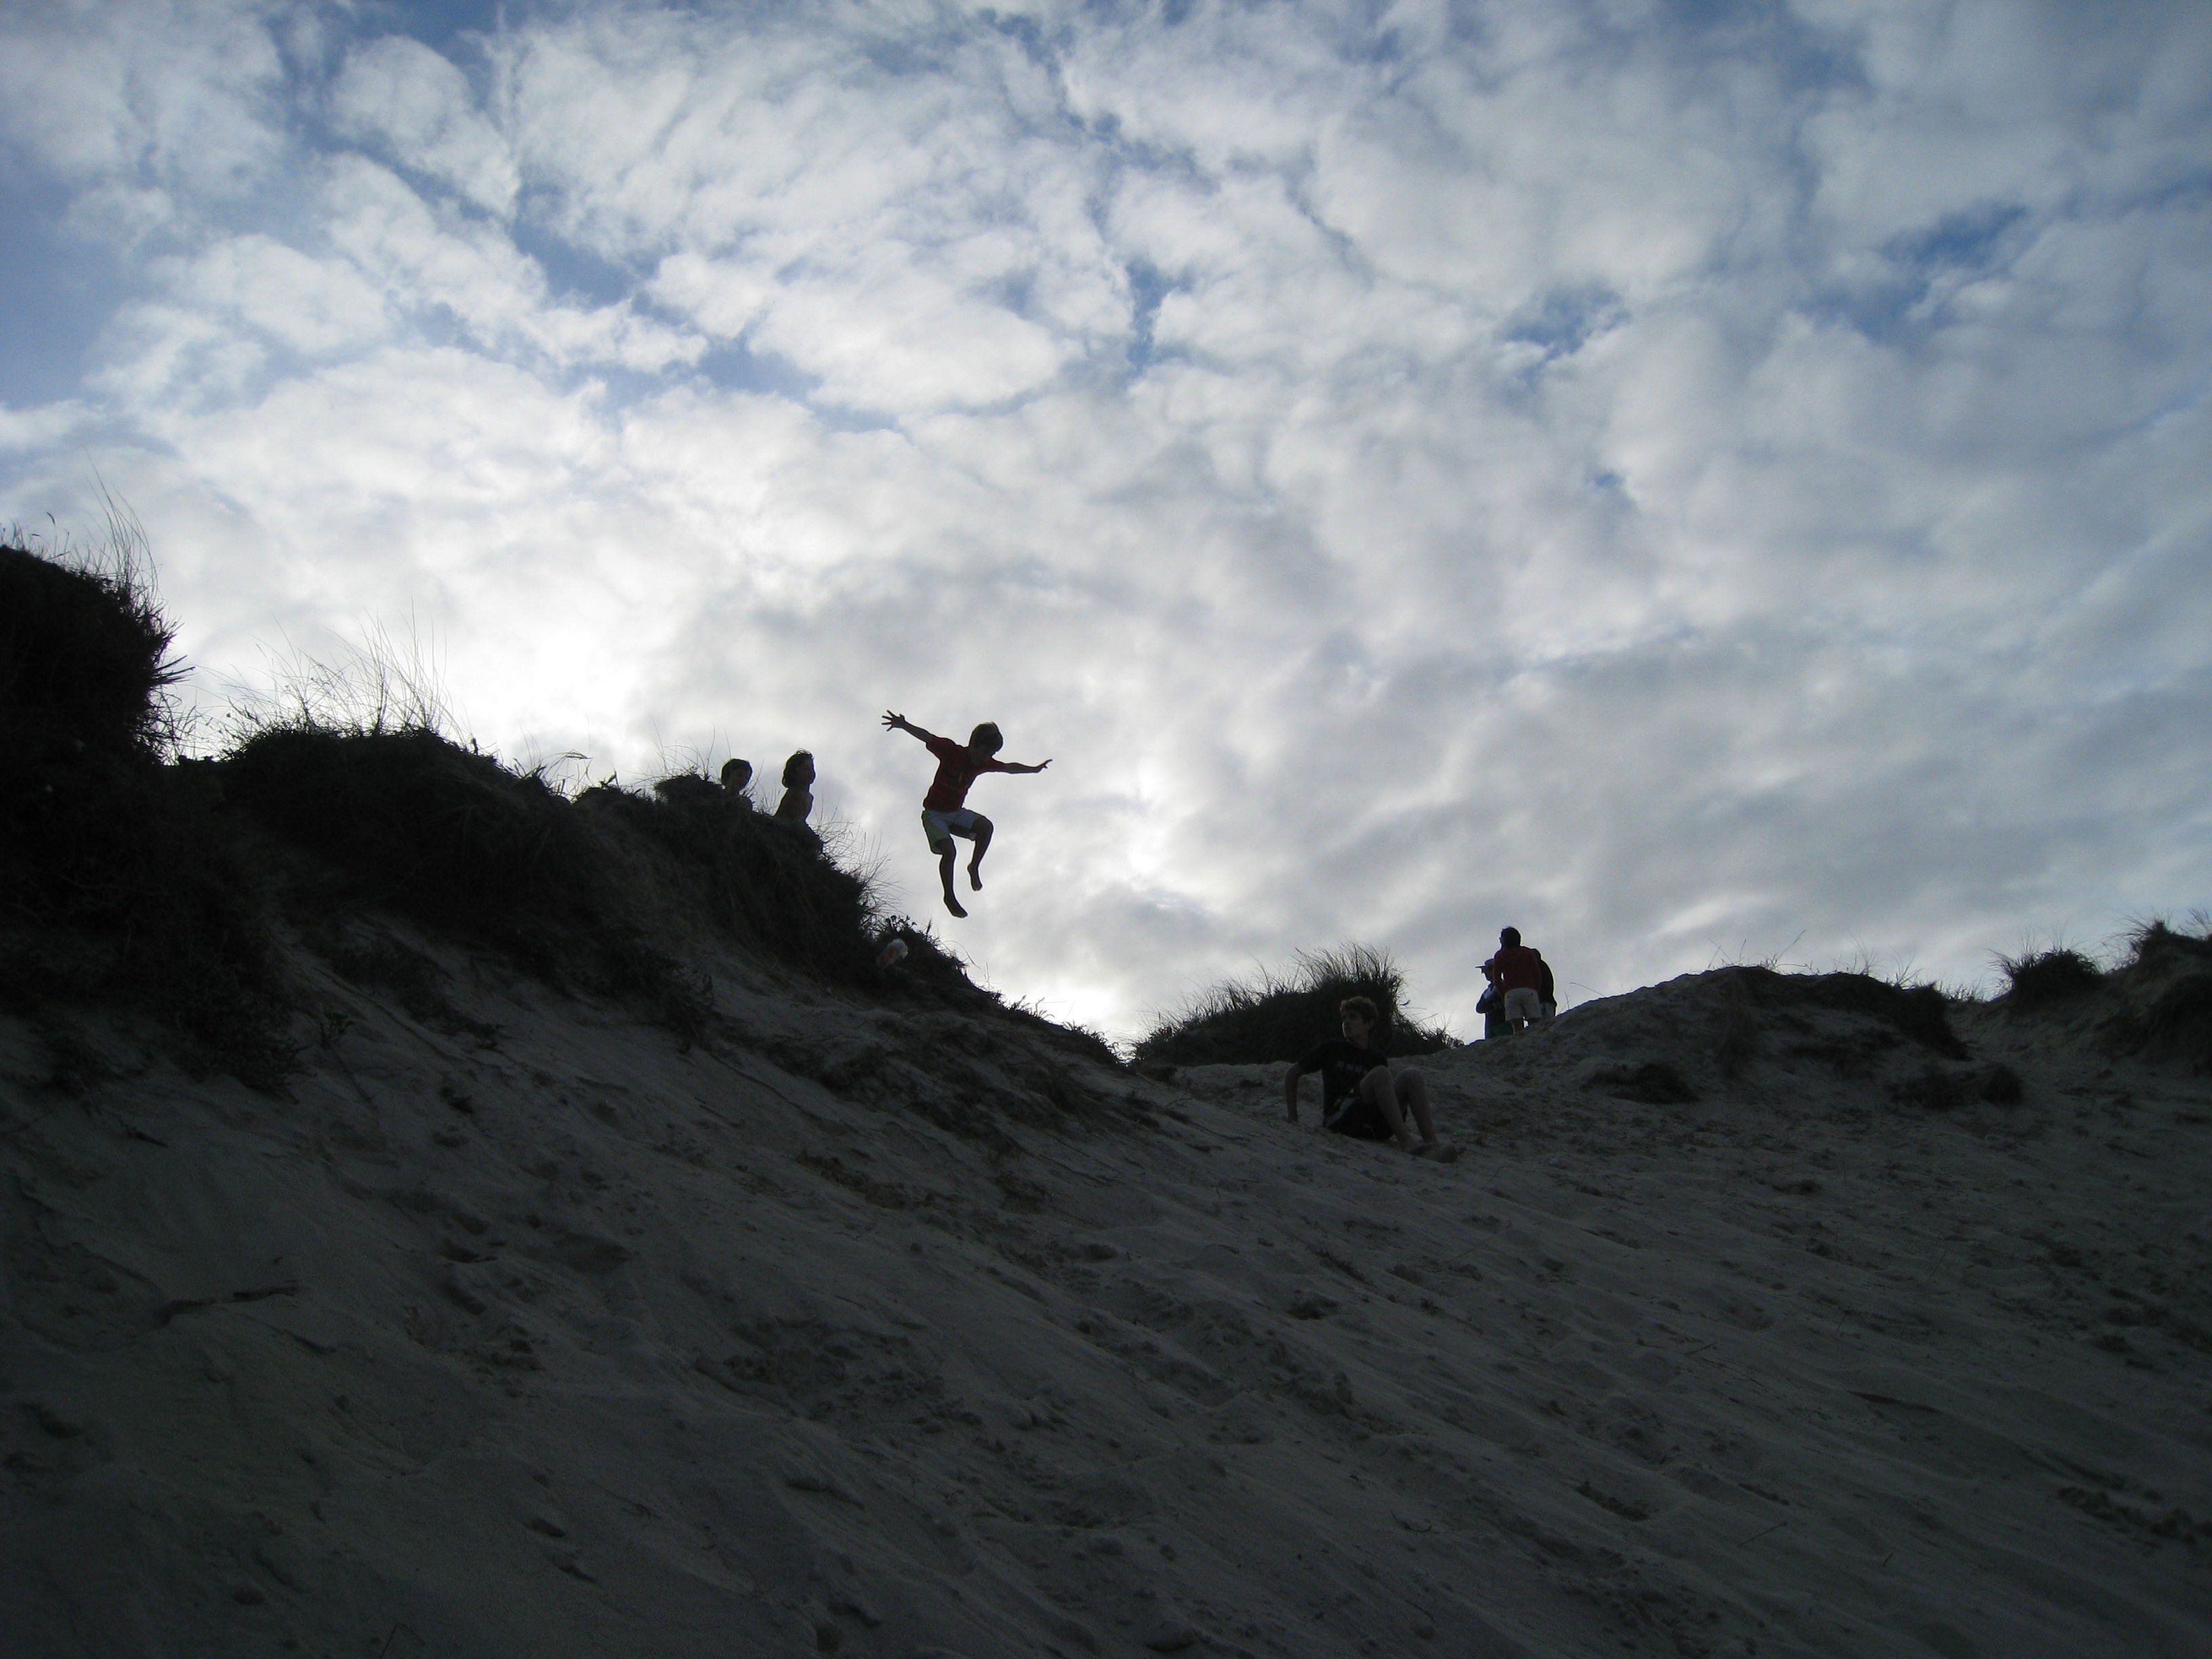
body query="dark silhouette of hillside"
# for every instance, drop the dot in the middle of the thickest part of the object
(174, 883)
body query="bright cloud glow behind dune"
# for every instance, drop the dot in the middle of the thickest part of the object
(1685, 479)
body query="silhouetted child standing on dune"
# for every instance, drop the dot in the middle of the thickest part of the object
(944, 812)
(798, 788)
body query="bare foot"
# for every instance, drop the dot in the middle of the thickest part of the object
(1438, 1151)
(974, 878)
(953, 905)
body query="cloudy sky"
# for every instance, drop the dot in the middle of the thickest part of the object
(1695, 478)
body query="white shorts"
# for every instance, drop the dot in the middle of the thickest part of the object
(941, 827)
(1522, 1002)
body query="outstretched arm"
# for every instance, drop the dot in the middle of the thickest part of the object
(901, 723)
(1015, 766)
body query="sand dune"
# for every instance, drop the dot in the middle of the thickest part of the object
(1746, 1326)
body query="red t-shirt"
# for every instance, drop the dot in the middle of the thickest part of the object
(1515, 968)
(957, 766)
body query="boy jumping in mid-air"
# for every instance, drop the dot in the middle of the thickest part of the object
(943, 811)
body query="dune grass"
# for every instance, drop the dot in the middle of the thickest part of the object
(2165, 987)
(85, 650)
(1919, 1013)
(126, 883)
(2037, 979)
(1279, 1017)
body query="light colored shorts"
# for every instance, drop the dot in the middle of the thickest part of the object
(941, 827)
(1522, 1003)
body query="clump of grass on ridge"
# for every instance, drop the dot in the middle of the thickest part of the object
(1919, 1011)
(1253, 1022)
(2167, 983)
(2037, 979)
(763, 883)
(126, 882)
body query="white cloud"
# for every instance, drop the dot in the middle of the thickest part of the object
(176, 361)
(907, 241)
(311, 306)
(724, 297)
(900, 339)
(417, 103)
(423, 260)
(182, 95)
(41, 428)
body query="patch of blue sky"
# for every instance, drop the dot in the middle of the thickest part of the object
(438, 23)
(1809, 63)
(1148, 287)
(1365, 32)
(622, 386)
(1022, 29)
(57, 294)
(1882, 312)
(1016, 292)
(1720, 14)
(573, 274)
(1896, 309)
(1801, 56)
(1968, 239)
(2188, 189)
(1564, 320)
(734, 366)
(1558, 324)
(2186, 401)
(915, 52)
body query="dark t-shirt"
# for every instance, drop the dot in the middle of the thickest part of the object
(1341, 1065)
(957, 767)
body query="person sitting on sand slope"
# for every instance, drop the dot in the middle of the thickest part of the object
(944, 812)
(1360, 1095)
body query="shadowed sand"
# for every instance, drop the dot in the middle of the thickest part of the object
(1750, 1324)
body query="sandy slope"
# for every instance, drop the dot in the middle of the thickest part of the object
(884, 1331)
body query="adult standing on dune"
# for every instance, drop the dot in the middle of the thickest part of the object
(1520, 977)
